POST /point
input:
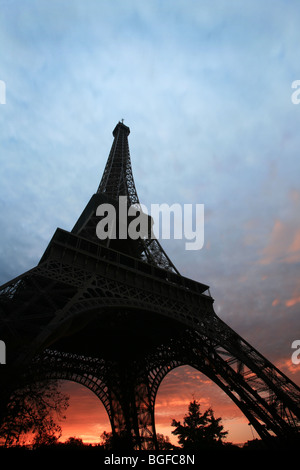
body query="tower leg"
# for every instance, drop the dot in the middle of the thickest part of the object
(132, 413)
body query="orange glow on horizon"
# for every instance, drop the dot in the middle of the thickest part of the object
(87, 417)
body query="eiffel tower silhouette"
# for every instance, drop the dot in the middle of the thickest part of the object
(116, 316)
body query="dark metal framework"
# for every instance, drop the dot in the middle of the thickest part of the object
(117, 316)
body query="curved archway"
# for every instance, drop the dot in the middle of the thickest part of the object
(200, 353)
(184, 383)
(86, 371)
(86, 416)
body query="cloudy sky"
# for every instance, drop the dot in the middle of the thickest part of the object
(205, 87)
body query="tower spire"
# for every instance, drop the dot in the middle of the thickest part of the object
(94, 315)
(117, 180)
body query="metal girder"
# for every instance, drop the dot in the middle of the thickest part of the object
(117, 179)
(118, 320)
(212, 347)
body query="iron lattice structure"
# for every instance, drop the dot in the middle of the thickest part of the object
(116, 316)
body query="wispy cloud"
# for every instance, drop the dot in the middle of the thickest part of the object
(206, 91)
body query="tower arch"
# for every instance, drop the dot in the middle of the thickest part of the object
(78, 274)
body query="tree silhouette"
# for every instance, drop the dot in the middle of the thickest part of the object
(34, 409)
(74, 443)
(163, 442)
(109, 442)
(117, 442)
(106, 440)
(199, 431)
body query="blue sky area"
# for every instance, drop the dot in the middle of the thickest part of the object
(205, 87)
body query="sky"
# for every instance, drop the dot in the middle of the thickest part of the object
(206, 89)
